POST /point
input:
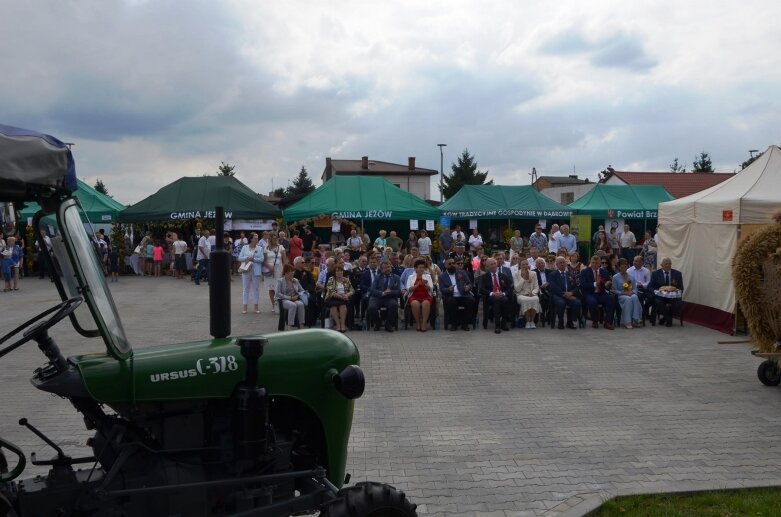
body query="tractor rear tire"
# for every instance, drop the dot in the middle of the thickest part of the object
(769, 373)
(369, 499)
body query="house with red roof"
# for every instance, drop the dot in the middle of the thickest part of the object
(678, 184)
(415, 180)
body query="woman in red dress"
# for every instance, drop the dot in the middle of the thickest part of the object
(420, 288)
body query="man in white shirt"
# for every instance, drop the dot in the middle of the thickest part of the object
(204, 250)
(475, 241)
(458, 233)
(642, 276)
(628, 242)
(180, 259)
(534, 254)
(553, 242)
(240, 241)
(424, 244)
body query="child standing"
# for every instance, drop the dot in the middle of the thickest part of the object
(157, 256)
(113, 260)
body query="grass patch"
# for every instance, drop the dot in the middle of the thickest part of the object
(750, 502)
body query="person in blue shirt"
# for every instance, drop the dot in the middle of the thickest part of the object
(567, 240)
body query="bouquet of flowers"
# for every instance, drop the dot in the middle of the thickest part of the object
(627, 287)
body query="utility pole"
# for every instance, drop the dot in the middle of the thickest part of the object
(441, 171)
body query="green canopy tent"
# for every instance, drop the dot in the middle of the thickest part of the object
(502, 202)
(99, 208)
(361, 197)
(622, 201)
(196, 197)
(627, 202)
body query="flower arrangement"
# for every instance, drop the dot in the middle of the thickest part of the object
(435, 246)
(627, 286)
(507, 236)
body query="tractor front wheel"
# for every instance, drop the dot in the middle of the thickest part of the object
(369, 500)
(769, 374)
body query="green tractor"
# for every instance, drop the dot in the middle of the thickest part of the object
(246, 426)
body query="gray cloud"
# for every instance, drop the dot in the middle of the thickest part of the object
(617, 50)
(622, 51)
(569, 41)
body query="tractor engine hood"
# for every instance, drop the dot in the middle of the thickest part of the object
(300, 364)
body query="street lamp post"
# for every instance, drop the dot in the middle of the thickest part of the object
(441, 171)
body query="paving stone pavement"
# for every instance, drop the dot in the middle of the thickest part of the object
(530, 422)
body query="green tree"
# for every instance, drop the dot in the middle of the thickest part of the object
(702, 163)
(464, 173)
(677, 167)
(750, 161)
(302, 184)
(278, 192)
(100, 187)
(226, 169)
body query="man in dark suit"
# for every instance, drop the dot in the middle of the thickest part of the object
(666, 307)
(461, 254)
(500, 264)
(367, 279)
(595, 288)
(562, 288)
(384, 292)
(456, 291)
(496, 289)
(396, 267)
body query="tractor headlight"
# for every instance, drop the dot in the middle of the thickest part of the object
(350, 382)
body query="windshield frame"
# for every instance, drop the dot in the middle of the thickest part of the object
(91, 280)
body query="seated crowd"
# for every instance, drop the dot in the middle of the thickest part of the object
(373, 286)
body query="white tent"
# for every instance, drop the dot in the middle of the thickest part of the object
(700, 233)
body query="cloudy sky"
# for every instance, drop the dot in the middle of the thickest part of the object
(153, 90)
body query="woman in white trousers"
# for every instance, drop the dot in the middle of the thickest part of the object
(251, 257)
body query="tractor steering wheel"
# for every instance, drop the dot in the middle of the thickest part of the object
(60, 311)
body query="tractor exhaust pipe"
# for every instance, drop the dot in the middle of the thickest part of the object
(220, 282)
(251, 410)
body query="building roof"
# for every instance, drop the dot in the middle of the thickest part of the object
(366, 167)
(561, 181)
(679, 184)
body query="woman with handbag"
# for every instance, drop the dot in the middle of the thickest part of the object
(273, 262)
(338, 291)
(291, 294)
(250, 258)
